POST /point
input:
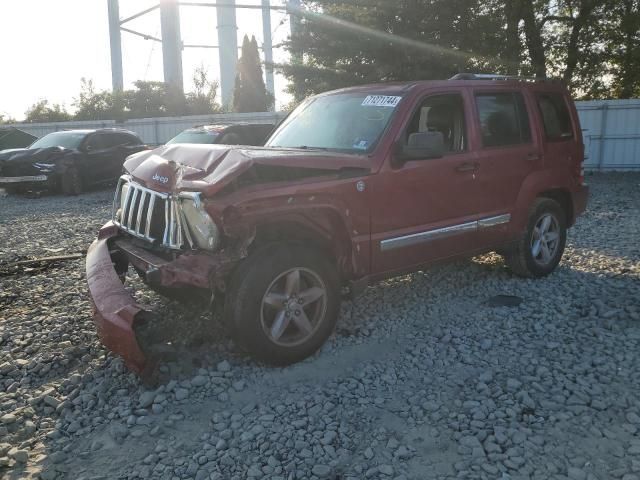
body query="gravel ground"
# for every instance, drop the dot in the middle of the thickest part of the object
(423, 379)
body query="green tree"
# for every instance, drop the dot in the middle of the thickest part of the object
(250, 93)
(42, 111)
(153, 99)
(93, 105)
(363, 41)
(203, 99)
(591, 44)
(6, 119)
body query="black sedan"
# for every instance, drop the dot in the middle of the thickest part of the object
(68, 161)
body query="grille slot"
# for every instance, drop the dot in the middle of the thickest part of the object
(146, 214)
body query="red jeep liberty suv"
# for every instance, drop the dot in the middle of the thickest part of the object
(354, 186)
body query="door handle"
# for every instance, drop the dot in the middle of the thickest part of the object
(533, 157)
(467, 167)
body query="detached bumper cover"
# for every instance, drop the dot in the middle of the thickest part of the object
(114, 310)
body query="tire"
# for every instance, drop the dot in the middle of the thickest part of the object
(282, 303)
(532, 257)
(71, 181)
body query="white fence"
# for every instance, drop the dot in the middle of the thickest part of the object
(610, 128)
(611, 133)
(154, 131)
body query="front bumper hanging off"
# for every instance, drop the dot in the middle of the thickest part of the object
(114, 310)
(116, 313)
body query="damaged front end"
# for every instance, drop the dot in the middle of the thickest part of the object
(174, 245)
(125, 326)
(184, 216)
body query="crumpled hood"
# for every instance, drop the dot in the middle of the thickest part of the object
(32, 155)
(209, 168)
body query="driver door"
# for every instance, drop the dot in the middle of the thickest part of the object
(424, 209)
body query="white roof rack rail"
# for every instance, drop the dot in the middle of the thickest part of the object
(495, 76)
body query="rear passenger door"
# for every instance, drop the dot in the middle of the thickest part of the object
(508, 151)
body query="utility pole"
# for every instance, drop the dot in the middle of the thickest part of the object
(227, 47)
(117, 82)
(267, 46)
(171, 43)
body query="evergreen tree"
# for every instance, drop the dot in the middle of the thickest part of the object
(249, 92)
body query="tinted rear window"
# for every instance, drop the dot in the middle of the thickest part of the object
(503, 119)
(555, 116)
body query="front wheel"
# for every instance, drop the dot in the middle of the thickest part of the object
(283, 302)
(539, 251)
(71, 181)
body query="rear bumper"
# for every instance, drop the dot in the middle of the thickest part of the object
(579, 199)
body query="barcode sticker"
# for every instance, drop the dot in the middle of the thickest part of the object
(381, 101)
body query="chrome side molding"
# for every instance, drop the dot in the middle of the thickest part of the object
(429, 235)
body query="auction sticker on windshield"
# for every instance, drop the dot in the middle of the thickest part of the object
(381, 101)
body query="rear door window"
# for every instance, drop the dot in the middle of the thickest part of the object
(503, 119)
(555, 116)
(97, 141)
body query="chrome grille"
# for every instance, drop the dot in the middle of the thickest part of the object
(147, 214)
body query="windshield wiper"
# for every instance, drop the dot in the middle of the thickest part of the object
(307, 147)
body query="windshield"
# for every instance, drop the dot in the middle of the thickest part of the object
(195, 136)
(60, 139)
(342, 122)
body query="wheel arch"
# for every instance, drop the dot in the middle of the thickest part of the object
(324, 231)
(563, 197)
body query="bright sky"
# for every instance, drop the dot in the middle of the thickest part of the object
(47, 46)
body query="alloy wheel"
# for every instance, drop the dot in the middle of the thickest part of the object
(545, 239)
(293, 307)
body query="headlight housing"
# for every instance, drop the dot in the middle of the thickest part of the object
(124, 188)
(45, 167)
(203, 230)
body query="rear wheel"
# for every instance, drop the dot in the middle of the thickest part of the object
(539, 251)
(283, 303)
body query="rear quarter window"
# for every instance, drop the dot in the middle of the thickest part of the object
(555, 116)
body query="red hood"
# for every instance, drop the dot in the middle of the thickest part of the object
(208, 168)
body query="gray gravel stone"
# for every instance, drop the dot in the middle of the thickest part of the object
(405, 388)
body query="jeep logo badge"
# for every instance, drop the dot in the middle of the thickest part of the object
(160, 178)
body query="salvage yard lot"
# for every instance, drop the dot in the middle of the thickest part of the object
(423, 378)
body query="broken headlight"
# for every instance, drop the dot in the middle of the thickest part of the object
(204, 231)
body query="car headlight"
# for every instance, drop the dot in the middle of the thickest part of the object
(204, 231)
(45, 167)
